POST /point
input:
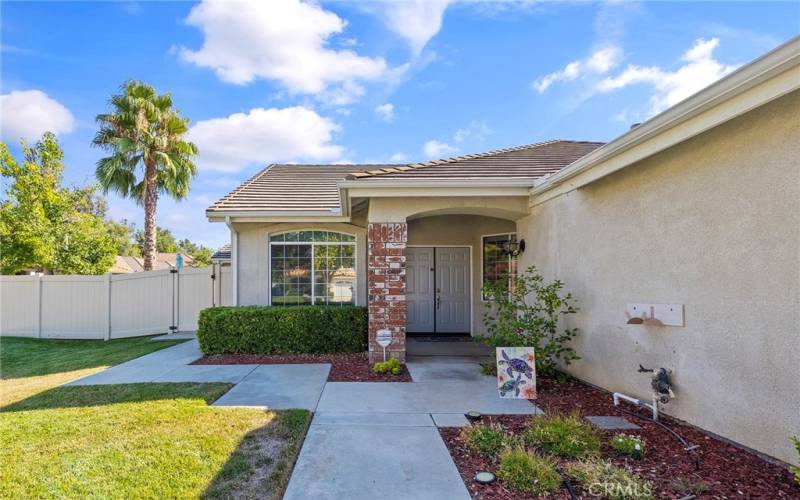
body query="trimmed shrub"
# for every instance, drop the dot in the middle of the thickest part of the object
(487, 440)
(391, 365)
(562, 436)
(609, 481)
(528, 473)
(625, 444)
(282, 330)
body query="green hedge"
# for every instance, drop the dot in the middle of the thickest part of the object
(282, 330)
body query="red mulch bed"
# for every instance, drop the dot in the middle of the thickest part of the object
(725, 470)
(345, 367)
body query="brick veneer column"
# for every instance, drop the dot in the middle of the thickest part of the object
(386, 281)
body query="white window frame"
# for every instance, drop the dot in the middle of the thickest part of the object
(354, 243)
(510, 259)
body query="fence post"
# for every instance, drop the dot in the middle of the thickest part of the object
(38, 302)
(108, 308)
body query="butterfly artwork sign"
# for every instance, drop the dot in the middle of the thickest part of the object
(516, 372)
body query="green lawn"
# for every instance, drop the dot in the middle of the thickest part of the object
(29, 366)
(133, 440)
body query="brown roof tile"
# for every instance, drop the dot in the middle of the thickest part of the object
(313, 188)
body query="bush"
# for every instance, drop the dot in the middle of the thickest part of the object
(487, 440)
(562, 436)
(391, 365)
(609, 481)
(527, 314)
(527, 473)
(633, 446)
(796, 470)
(282, 330)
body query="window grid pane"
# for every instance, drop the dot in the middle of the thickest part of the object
(496, 263)
(312, 267)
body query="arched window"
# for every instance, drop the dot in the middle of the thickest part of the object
(312, 267)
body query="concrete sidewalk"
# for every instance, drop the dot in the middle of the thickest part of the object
(366, 438)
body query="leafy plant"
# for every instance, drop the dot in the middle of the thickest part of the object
(524, 311)
(282, 330)
(45, 226)
(528, 473)
(487, 440)
(145, 132)
(391, 365)
(688, 486)
(626, 444)
(606, 480)
(563, 436)
(796, 470)
(489, 367)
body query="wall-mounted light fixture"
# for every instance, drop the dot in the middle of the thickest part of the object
(513, 248)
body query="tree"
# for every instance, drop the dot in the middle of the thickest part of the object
(165, 242)
(144, 132)
(200, 254)
(124, 235)
(45, 226)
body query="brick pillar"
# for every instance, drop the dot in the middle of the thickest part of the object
(386, 281)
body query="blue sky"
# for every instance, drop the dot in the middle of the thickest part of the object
(363, 82)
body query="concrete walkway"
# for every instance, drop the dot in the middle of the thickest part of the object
(366, 439)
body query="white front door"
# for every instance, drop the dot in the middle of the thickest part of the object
(419, 290)
(452, 290)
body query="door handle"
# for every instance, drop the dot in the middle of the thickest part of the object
(438, 301)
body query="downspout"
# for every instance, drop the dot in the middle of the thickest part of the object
(234, 262)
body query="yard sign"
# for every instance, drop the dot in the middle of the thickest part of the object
(516, 372)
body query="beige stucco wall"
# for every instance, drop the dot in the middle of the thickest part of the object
(253, 257)
(461, 230)
(713, 224)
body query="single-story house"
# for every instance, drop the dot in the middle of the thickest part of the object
(697, 208)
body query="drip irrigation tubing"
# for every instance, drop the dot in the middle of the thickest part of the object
(686, 446)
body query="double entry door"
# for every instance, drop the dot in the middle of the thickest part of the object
(437, 290)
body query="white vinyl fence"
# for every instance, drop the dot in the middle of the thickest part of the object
(110, 306)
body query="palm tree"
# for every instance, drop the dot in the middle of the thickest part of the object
(144, 130)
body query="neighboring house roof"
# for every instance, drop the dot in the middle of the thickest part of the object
(290, 188)
(531, 161)
(162, 260)
(224, 253)
(314, 188)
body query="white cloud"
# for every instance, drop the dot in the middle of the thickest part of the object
(598, 62)
(263, 136)
(699, 70)
(476, 131)
(385, 111)
(437, 149)
(30, 113)
(398, 158)
(417, 21)
(286, 41)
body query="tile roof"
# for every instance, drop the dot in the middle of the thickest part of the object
(291, 188)
(531, 161)
(224, 253)
(288, 188)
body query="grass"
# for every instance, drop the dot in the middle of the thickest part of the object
(562, 436)
(605, 479)
(154, 440)
(29, 366)
(144, 440)
(528, 473)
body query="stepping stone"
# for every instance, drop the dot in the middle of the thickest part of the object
(612, 423)
(449, 419)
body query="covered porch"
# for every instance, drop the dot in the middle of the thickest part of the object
(427, 262)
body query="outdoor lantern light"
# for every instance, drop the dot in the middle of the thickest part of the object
(514, 248)
(484, 477)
